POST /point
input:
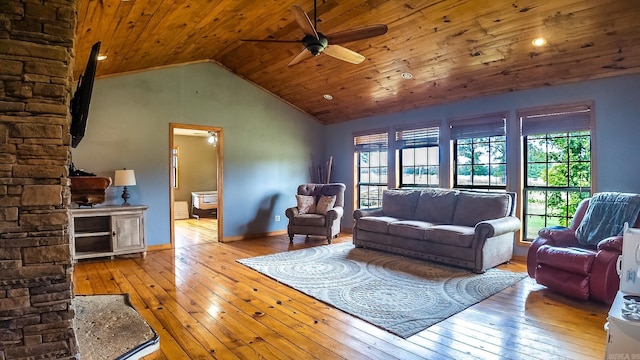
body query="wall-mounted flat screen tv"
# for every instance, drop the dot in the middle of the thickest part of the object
(82, 97)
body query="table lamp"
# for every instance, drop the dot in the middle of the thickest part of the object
(125, 178)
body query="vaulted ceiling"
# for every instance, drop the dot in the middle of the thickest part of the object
(454, 49)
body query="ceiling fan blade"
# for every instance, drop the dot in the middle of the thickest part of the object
(273, 41)
(344, 54)
(303, 21)
(366, 32)
(304, 54)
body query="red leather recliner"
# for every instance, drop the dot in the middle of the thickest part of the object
(557, 261)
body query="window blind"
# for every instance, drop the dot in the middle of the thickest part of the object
(371, 142)
(416, 137)
(478, 127)
(556, 121)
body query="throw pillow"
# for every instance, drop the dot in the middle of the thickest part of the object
(306, 204)
(325, 203)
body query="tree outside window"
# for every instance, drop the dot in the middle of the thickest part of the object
(479, 152)
(480, 163)
(558, 177)
(557, 166)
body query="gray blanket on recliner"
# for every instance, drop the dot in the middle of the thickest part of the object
(606, 215)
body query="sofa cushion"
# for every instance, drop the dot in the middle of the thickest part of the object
(379, 224)
(472, 208)
(400, 203)
(412, 229)
(436, 205)
(309, 220)
(455, 235)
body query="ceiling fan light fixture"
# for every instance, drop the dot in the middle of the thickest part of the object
(327, 97)
(315, 45)
(315, 49)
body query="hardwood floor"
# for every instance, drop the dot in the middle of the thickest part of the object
(205, 305)
(195, 231)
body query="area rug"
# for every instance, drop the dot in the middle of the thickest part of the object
(109, 327)
(401, 295)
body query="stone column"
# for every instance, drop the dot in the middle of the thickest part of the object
(36, 57)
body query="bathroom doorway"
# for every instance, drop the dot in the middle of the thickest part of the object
(196, 168)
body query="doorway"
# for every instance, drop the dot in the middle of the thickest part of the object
(196, 169)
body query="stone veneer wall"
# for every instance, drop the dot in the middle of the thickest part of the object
(36, 57)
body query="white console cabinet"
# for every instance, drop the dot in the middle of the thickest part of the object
(623, 335)
(107, 231)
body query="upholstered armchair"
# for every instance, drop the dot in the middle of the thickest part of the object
(559, 261)
(319, 210)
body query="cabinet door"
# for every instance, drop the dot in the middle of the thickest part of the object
(128, 232)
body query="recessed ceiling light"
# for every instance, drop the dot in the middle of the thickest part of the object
(101, 57)
(327, 97)
(406, 75)
(539, 41)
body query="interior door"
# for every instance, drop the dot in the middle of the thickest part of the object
(212, 139)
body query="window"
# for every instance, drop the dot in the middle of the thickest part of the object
(557, 166)
(479, 152)
(175, 153)
(418, 156)
(372, 165)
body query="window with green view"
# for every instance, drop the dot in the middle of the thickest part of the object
(479, 152)
(557, 167)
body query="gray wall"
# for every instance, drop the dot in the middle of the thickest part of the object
(616, 137)
(268, 145)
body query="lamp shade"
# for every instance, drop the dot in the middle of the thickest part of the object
(124, 178)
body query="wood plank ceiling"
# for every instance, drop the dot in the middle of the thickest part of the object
(455, 49)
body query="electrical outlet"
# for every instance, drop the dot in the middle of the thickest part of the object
(277, 218)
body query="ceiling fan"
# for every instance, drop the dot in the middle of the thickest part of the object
(316, 42)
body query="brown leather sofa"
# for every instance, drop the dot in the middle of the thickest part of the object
(558, 261)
